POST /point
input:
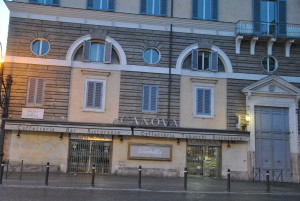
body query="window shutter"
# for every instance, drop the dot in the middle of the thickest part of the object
(214, 58)
(40, 91)
(164, 7)
(55, 2)
(256, 16)
(32, 1)
(90, 4)
(143, 6)
(145, 101)
(199, 101)
(282, 6)
(98, 94)
(207, 101)
(90, 94)
(153, 102)
(214, 9)
(86, 51)
(31, 90)
(194, 60)
(107, 53)
(195, 9)
(111, 5)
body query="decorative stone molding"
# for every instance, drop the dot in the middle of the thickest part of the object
(205, 43)
(270, 45)
(288, 45)
(98, 34)
(252, 45)
(238, 41)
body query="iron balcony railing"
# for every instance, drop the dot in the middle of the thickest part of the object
(246, 27)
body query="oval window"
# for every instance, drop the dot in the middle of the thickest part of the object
(40, 47)
(269, 64)
(151, 56)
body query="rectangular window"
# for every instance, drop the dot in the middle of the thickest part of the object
(35, 92)
(154, 7)
(95, 95)
(204, 60)
(45, 2)
(205, 9)
(150, 98)
(106, 5)
(94, 51)
(203, 101)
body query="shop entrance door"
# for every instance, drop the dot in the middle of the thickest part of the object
(83, 154)
(204, 161)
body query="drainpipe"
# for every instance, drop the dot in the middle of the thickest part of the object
(170, 66)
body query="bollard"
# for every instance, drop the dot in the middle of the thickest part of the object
(140, 177)
(47, 173)
(21, 172)
(228, 180)
(268, 181)
(93, 175)
(1, 172)
(6, 174)
(185, 178)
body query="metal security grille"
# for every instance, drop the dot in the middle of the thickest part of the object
(204, 160)
(83, 154)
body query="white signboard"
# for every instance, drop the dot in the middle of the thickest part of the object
(32, 113)
(150, 152)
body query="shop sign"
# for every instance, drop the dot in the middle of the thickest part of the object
(215, 143)
(150, 151)
(155, 122)
(90, 137)
(189, 135)
(70, 129)
(32, 113)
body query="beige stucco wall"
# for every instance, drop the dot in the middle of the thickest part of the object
(38, 148)
(76, 105)
(187, 118)
(120, 159)
(235, 159)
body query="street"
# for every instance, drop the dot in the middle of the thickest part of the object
(33, 193)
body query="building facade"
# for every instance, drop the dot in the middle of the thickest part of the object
(201, 84)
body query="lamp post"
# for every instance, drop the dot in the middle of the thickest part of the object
(5, 87)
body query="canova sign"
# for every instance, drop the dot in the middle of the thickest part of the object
(126, 120)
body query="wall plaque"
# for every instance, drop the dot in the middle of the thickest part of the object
(32, 113)
(150, 151)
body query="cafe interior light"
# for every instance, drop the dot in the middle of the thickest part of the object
(248, 117)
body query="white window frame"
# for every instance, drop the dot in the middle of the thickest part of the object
(103, 98)
(151, 55)
(41, 45)
(268, 64)
(212, 96)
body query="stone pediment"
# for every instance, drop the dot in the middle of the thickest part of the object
(272, 86)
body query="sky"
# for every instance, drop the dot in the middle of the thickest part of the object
(4, 21)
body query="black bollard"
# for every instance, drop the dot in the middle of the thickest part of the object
(93, 175)
(21, 172)
(140, 177)
(185, 179)
(268, 181)
(1, 172)
(228, 180)
(47, 173)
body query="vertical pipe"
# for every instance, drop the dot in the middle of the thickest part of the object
(170, 72)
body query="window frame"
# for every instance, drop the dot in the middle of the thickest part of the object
(150, 97)
(35, 96)
(107, 51)
(103, 98)
(204, 86)
(211, 63)
(213, 9)
(268, 64)
(161, 4)
(45, 3)
(151, 49)
(41, 45)
(110, 5)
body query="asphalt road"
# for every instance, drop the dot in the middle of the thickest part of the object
(27, 193)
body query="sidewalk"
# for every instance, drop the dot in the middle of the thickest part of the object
(157, 184)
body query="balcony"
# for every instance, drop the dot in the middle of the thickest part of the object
(268, 29)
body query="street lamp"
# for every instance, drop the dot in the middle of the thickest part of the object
(4, 102)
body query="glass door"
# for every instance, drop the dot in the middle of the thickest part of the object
(268, 17)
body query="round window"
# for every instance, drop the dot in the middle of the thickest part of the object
(40, 47)
(269, 64)
(151, 56)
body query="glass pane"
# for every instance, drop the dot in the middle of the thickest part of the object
(200, 60)
(206, 61)
(207, 9)
(36, 47)
(97, 4)
(272, 11)
(151, 56)
(271, 64)
(97, 52)
(45, 47)
(156, 10)
(104, 5)
(201, 9)
(150, 5)
(155, 56)
(265, 63)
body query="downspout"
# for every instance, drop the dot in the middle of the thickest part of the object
(170, 66)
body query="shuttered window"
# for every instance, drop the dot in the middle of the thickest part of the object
(205, 9)
(204, 101)
(46, 2)
(150, 98)
(204, 60)
(94, 95)
(35, 95)
(107, 5)
(154, 7)
(97, 52)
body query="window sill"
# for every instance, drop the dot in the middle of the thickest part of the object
(93, 110)
(204, 116)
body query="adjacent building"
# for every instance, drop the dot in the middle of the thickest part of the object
(205, 84)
